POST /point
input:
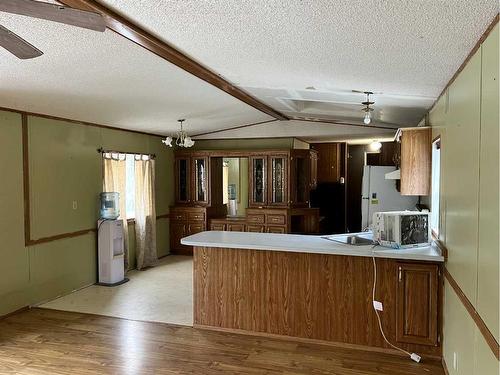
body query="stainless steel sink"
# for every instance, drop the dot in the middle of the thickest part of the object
(352, 239)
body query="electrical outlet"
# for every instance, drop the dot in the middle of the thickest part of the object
(75, 205)
(455, 361)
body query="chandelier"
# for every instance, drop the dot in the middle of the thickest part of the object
(182, 139)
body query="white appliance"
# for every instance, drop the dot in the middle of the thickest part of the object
(380, 194)
(401, 229)
(111, 261)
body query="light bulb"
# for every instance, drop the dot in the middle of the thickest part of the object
(167, 141)
(368, 118)
(375, 146)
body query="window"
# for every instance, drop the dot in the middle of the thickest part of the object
(436, 169)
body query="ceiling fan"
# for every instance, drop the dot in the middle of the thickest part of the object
(47, 11)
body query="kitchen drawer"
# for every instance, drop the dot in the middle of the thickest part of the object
(276, 219)
(276, 229)
(256, 219)
(178, 215)
(256, 228)
(196, 228)
(217, 226)
(196, 216)
(236, 227)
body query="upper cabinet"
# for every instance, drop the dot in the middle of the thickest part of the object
(268, 180)
(193, 174)
(278, 180)
(416, 149)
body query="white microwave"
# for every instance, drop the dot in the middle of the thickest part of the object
(401, 229)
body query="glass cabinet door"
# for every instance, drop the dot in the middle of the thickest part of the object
(301, 177)
(200, 166)
(258, 181)
(278, 180)
(182, 185)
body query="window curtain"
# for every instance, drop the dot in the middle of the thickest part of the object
(114, 180)
(145, 212)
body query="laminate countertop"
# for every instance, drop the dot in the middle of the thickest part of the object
(307, 244)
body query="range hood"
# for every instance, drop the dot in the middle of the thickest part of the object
(394, 175)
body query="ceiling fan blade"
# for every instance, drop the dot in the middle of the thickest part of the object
(17, 45)
(55, 12)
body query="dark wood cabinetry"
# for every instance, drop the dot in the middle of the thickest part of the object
(417, 303)
(279, 182)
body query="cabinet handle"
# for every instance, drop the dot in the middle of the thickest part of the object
(400, 276)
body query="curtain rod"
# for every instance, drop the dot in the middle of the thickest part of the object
(100, 150)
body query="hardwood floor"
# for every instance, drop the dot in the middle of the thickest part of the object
(54, 342)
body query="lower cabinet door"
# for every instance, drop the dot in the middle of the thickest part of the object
(276, 229)
(177, 232)
(256, 228)
(236, 227)
(417, 303)
(196, 228)
(217, 226)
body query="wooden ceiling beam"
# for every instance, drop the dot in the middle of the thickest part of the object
(145, 39)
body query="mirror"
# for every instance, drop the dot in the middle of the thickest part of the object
(235, 185)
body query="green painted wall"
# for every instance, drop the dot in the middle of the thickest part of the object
(64, 167)
(467, 120)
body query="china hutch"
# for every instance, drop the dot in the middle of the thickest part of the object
(279, 185)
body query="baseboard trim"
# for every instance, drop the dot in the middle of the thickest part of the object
(304, 340)
(481, 325)
(15, 312)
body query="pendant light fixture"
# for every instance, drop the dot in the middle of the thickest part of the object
(182, 139)
(367, 109)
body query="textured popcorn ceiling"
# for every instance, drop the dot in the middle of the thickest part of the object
(106, 79)
(406, 49)
(301, 57)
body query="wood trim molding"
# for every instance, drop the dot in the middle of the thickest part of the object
(26, 179)
(78, 122)
(445, 367)
(481, 325)
(138, 35)
(483, 37)
(18, 311)
(60, 236)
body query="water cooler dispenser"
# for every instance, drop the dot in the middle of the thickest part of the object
(110, 248)
(111, 252)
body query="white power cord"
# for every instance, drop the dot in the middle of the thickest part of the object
(415, 357)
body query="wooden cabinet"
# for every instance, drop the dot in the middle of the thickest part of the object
(278, 180)
(198, 179)
(416, 153)
(329, 162)
(313, 169)
(258, 181)
(417, 303)
(185, 221)
(182, 180)
(300, 178)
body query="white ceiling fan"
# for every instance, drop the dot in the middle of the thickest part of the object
(47, 11)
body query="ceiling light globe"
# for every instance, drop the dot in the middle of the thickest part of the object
(368, 118)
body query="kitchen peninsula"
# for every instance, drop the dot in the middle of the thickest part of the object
(310, 288)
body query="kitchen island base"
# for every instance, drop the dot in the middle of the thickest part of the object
(318, 297)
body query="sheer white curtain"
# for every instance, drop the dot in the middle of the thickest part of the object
(145, 213)
(114, 180)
